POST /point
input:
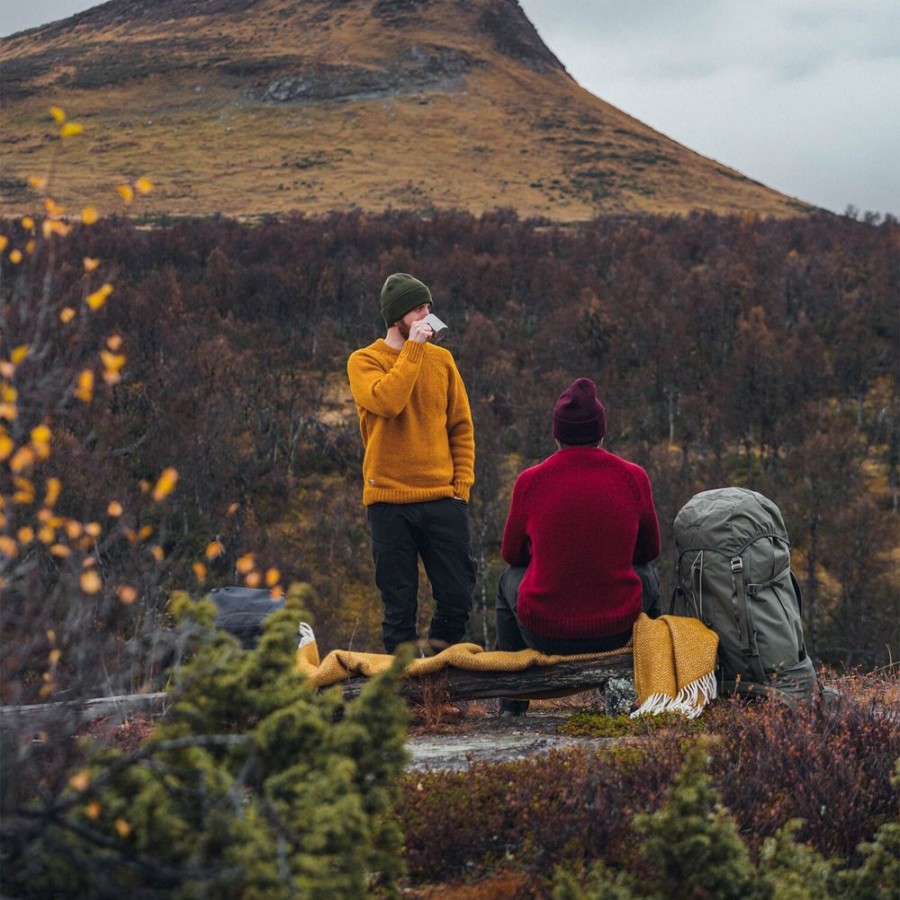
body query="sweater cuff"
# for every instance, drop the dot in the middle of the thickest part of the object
(413, 350)
(462, 489)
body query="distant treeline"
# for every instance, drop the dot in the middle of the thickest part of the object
(732, 350)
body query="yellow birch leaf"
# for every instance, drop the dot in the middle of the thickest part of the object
(112, 361)
(89, 215)
(41, 434)
(15, 257)
(66, 315)
(93, 529)
(73, 529)
(273, 576)
(4, 242)
(6, 445)
(70, 129)
(114, 342)
(245, 564)
(54, 656)
(127, 594)
(52, 226)
(60, 550)
(199, 571)
(145, 532)
(114, 509)
(143, 185)
(123, 828)
(19, 353)
(27, 223)
(58, 114)
(253, 580)
(54, 486)
(52, 208)
(25, 534)
(22, 459)
(214, 549)
(166, 484)
(37, 183)
(126, 192)
(157, 553)
(85, 389)
(8, 411)
(80, 781)
(8, 547)
(92, 810)
(98, 298)
(47, 534)
(90, 582)
(90, 264)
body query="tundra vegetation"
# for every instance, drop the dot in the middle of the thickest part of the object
(174, 416)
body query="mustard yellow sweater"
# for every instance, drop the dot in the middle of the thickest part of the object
(415, 423)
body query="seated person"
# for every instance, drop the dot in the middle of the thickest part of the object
(580, 538)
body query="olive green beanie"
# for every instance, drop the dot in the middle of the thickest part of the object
(400, 294)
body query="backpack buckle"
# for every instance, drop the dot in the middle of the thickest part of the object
(737, 565)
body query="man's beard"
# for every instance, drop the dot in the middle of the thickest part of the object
(403, 328)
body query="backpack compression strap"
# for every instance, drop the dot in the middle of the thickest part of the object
(748, 637)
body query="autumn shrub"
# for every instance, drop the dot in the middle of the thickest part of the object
(691, 847)
(567, 805)
(827, 765)
(81, 579)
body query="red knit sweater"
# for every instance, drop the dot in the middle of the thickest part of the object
(579, 520)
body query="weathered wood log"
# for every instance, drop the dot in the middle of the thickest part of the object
(450, 684)
(36, 716)
(535, 682)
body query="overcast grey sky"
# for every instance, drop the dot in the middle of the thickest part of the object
(802, 95)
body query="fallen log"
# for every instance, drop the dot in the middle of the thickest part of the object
(34, 717)
(535, 682)
(450, 684)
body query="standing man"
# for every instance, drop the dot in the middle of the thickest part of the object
(579, 539)
(418, 467)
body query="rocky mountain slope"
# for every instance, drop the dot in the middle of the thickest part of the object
(257, 107)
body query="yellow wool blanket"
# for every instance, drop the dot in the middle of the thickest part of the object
(674, 660)
(674, 665)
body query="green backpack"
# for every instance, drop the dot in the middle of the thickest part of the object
(733, 572)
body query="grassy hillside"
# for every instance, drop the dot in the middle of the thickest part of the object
(258, 109)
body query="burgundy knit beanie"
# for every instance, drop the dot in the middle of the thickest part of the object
(579, 417)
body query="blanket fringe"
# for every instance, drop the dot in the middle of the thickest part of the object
(307, 635)
(690, 700)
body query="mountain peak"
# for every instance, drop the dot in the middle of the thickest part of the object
(255, 107)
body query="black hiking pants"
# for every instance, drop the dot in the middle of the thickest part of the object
(438, 533)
